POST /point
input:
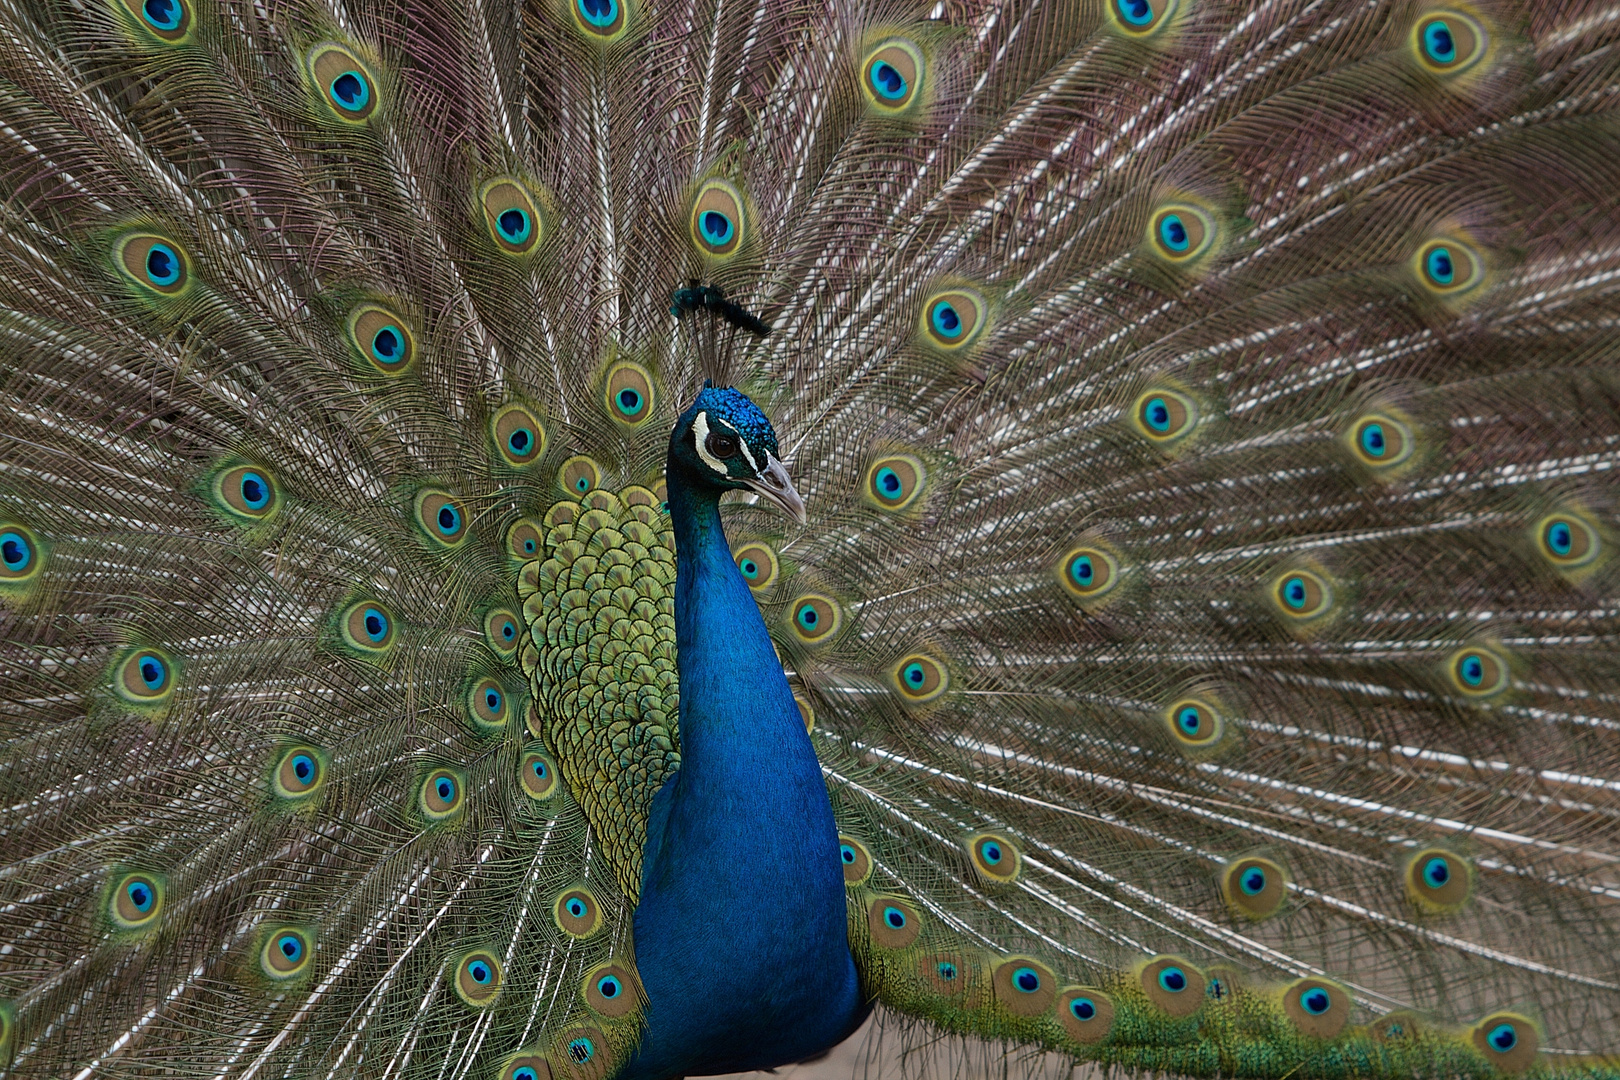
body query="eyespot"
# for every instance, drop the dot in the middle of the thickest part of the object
(1448, 42)
(511, 216)
(920, 678)
(1448, 266)
(381, 338)
(1178, 232)
(136, 901)
(1316, 1007)
(894, 482)
(1194, 723)
(519, 436)
(167, 20)
(442, 794)
(440, 517)
(954, 319)
(806, 713)
(1380, 441)
(488, 705)
(1301, 594)
(1087, 1015)
(1479, 672)
(947, 973)
(577, 913)
(154, 263)
(478, 979)
(1165, 416)
(286, 954)
(345, 85)
(994, 857)
(891, 76)
(1566, 541)
(1089, 573)
(20, 556)
(1508, 1041)
(582, 1053)
(757, 564)
(368, 627)
(537, 775)
(815, 619)
(1438, 881)
(1174, 985)
(610, 989)
(856, 860)
(502, 631)
(628, 393)
(892, 922)
(145, 677)
(524, 539)
(1253, 887)
(600, 19)
(1140, 18)
(527, 1067)
(1396, 1026)
(299, 772)
(247, 492)
(579, 475)
(1024, 987)
(718, 225)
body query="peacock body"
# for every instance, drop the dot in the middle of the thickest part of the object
(1193, 650)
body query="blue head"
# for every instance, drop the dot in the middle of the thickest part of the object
(723, 442)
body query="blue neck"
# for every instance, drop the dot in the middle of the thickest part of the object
(740, 933)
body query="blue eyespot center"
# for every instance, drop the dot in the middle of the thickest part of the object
(1372, 440)
(889, 484)
(601, 14)
(303, 767)
(153, 672)
(1173, 979)
(716, 227)
(577, 908)
(1189, 719)
(514, 225)
(581, 1049)
(629, 401)
(915, 675)
(1026, 980)
(1173, 231)
(887, 80)
(480, 972)
(1158, 415)
(1472, 669)
(847, 853)
(1315, 1001)
(524, 1073)
(540, 772)
(255, 491)
(15, 551)
(945, 319)
(1502, 1038)
(609, 987)
(1253, 881)
(520, 441)
(991, 852)
(1136, 12)
(749, 568)
(291, 947)
(376, 624)
(895, 918)
(446, 788)
(162, 14)
(946, 971)
(492, 700)
(1082, 571)
(1560, 538)
(140, 894)
(1436, 872)
(1438, 42)
(808, 618)
(351, 91)
(1083, 1009)
(449, 520)
(1440, 266)
(388, 345)
(162, 265)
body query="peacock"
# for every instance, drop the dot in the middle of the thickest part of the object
(617, 539)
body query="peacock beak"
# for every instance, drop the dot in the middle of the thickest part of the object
(773, 484)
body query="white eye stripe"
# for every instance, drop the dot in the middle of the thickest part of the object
(700, 439)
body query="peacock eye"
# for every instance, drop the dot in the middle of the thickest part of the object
(721, 445)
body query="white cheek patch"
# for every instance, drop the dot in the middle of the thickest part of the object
(700, 438)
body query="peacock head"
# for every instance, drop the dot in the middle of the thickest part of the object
(723, 442)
